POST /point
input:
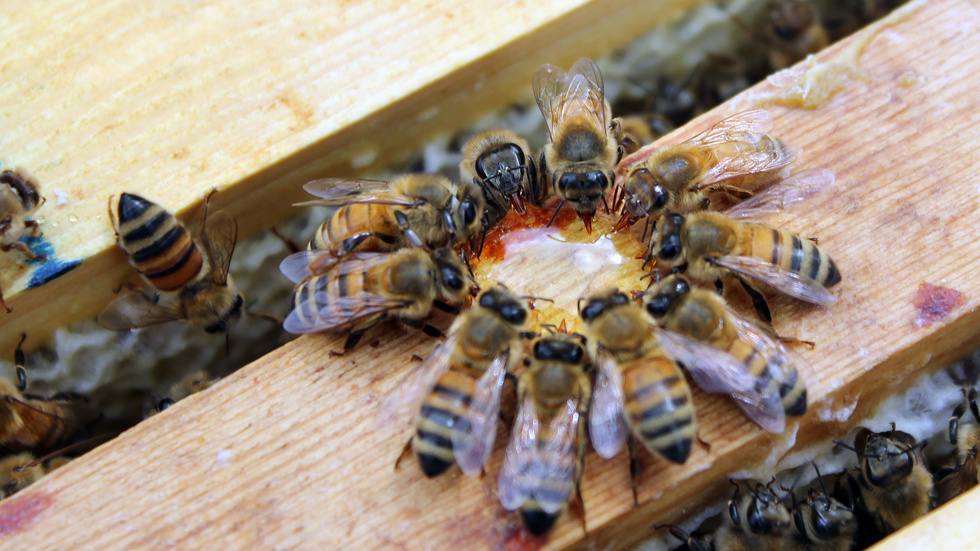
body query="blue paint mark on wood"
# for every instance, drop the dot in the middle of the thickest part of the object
(48, 267)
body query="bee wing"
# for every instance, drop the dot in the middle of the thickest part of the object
(557, 459)
(797, 188)
(607, 418)
(577, 93)
(718, 372)
(219, 237)
(297, 265)
(791, 283)
(770, 346)
(134, 310)
(303, 264)
(317, 313)
(343, 191)
(403, 400)
(473, 442)
(519, 468)
(735, 128)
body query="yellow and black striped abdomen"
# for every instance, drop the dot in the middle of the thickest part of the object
(439, 415)
(658, 404)
(790, 252)
(772, 369)
(359, 219)
(331, 291)
(551, 492)
(157, 244)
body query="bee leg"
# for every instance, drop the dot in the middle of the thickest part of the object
(580, 507)
(350, 343)
(816, 240)
(35, 228)
(406, 451)
(972, 398)
(719, 287)
(410, 234)
(635, 469)
(704, 443)
(19, 361)
(265, 316)
(758, 301)
(448, 308)
(23, 249)
(790, 340)
(348, 245)
(291, 245)
(425, 328)
(4, 303)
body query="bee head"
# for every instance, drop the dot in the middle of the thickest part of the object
(644, 194)
(666, 294)
(597, 305)
(500, 300)
(669, 230)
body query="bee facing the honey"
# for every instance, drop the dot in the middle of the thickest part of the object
(20, 196)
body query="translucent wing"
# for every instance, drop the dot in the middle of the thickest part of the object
(303, 264)
(784, 364)
(607, 418)
(791, 283)
(219, 237)
(341, 191)
(735, 128)
(135, 310)
(473, 442)
(797, 188)
(403, 401)
(532, 465)
(718, 372)
(563, 95)
(297, 265)
(320, 313)
(519, 469)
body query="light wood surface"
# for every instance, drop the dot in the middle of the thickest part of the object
(252, 99)
(286, 453)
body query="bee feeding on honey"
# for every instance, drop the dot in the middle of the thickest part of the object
(502, 164)
(189, 277)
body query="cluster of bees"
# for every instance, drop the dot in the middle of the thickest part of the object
(399, 249)
(891, 487)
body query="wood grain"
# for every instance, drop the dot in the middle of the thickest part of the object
(287, 453)
(252, 99)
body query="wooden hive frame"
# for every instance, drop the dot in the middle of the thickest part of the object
(285, 452)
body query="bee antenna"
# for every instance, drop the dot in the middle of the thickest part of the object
(852, 448)
(555, 215)
(655, 273)
(469, 268)
(550, 327)
(532, 297)
(820, 478)
(227, 344)
(68, 449)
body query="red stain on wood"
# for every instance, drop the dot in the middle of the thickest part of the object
(934, 303)
(522, 540)
(19, 512)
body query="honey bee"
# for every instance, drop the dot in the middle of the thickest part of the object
(637, 385)
(19, 197)
(30, 422)
(188, 286)
(794, 31)
(757, 521)
(895, 485)
(423, 210)
(822, 523)
(726, 353)
(709, 244)
(579, 159)
(191, 384)
(21, 470)
(457, 388)
(544, 458)
(734, 157)
(358, 292)
(966, 474)
(500, 162)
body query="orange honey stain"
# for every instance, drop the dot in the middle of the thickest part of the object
(934, 303)
(19, 512)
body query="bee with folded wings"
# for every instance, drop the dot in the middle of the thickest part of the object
(544, 458)
(733, 158)
(708, 246)
(189, 285)
(361, 290)
(725, 353)
(578, 161)
(456, 389)
(421, 210)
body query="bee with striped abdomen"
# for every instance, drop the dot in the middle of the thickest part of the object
(578, 161)
(456, 389)
(424, 210)
(637, 385)
(359, 291)
(31, 422)
(728, 354)
(190, 277)
(501, 163)
(709, 245)
(21, 470)
(544, 458)
(19, 197)
(735, 157)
